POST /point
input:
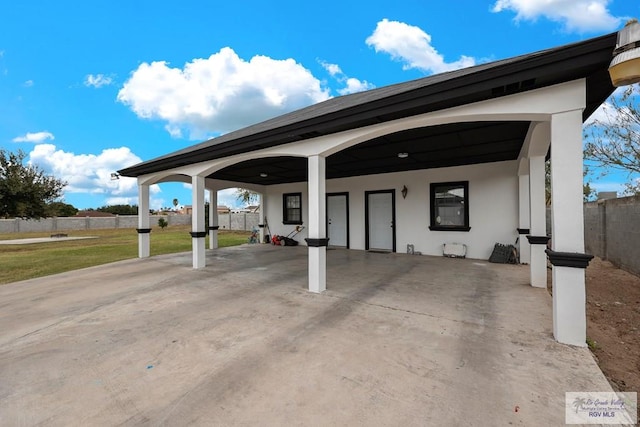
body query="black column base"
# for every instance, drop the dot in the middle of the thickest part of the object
(568, 259)
(143, 230)
(317, 243)
(538, 240)
(523, 230)
(198, 234)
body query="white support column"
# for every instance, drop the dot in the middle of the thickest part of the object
(143, 229)
(317, 240)
(198, 232)
(523, 221)
(263, 207)
(537, 238)
(567, 256)
(213, 219)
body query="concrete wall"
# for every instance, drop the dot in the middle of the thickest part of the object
(612, 231)
(238, 221)
(594, 229)
(234, 221)
(493, 207)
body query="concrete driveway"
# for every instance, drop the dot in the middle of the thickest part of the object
(396, 340)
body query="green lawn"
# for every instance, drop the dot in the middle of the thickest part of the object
(21, 262)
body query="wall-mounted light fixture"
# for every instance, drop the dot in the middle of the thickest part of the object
(114, 176)
(403, 155)
(404, 191)
(625, 66)
(263, 175)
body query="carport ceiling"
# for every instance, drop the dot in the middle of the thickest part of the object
(430, 147)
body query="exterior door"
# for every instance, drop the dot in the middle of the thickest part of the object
(338, 219)
(380, 220)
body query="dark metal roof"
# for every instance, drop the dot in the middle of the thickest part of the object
(447, 145)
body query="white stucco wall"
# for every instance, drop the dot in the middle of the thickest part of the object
(493, 207)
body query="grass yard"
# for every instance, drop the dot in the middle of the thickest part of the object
(21, 262)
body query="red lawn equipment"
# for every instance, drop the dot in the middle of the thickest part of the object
(288, 239)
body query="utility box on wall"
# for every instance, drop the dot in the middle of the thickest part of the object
(454, 250)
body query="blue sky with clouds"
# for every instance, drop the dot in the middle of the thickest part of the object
(89, 88)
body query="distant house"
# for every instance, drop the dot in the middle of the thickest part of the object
(165, 211)
(186, 210)
(223, 209)
(606, 195)
(247, 209)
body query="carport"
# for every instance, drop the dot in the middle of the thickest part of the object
(509, 115)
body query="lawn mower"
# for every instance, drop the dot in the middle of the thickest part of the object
(287, 240)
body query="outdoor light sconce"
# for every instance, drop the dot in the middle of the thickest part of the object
(625, 66)
(114, 176)
(404, 191)
(263, 175)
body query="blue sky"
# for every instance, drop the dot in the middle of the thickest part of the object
(89, 88)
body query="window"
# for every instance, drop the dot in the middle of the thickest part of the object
(450, 206)
(292, 208)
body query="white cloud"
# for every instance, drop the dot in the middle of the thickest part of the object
(412, 46)
(602, 115)
(110, 201)
(576, 15)
(607, 113)
(154, 203)
(220, 93)
(353, 85)
(97, 80)
(90, 173)
(28, 83)
(228, 197)
(174, 131)
(603, 186)
(332, 69)
(35, 137)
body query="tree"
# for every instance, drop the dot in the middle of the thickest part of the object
(613, 136)
(246, 196)
(588, 193)
(61, 209)
(120, 209)
(162, 223)
(175, 203)
(25, 190)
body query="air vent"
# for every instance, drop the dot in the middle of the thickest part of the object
(513, 87)
(526, 84)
